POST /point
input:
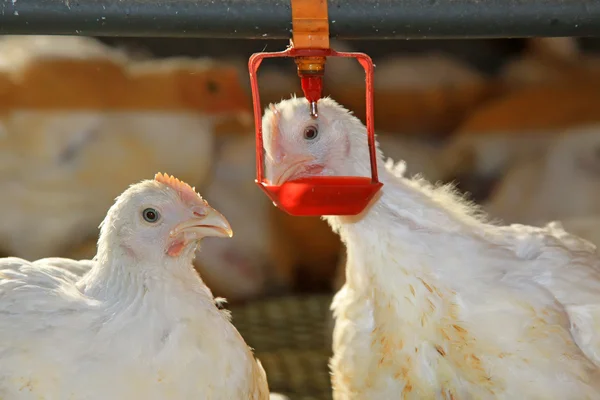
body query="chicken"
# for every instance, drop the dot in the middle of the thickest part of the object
(516, 126)
(422, 159)
(439, 304)
(560, 184)
(304, 249)
(81, 120)
(136, 322)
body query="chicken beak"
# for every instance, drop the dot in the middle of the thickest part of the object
(287, 169)
(208, 222)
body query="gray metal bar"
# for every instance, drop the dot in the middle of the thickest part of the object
(263, 19)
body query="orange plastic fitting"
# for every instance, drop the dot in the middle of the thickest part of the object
(310, 30)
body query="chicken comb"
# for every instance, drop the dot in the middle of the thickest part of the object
(185, 191)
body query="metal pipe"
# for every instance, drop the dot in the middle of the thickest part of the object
(271, 19)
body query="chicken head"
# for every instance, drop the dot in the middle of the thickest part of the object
(298, 146)
(160, 218)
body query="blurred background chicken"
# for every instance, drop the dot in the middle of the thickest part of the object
(512, 122)
(552, 87)
(561, 184)
(80, 121)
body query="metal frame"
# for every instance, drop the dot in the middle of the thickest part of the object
(271, 19)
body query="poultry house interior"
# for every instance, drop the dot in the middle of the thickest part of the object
(513, 123)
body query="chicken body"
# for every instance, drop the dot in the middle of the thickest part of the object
(136, 322)
(440, 307)
(439, 304)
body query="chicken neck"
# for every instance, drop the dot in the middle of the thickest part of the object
(118, 277)
(411, 241)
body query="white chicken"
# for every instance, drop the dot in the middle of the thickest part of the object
(439, 304)
(561, 183)
(136, 322)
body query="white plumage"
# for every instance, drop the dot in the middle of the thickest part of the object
(561, 183)
(136, 322)
(439, 304)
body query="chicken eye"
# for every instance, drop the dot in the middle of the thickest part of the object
(311, 132)
(151, 215)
